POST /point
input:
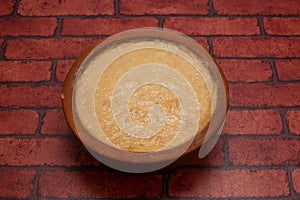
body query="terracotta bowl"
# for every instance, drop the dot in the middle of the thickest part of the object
(134, 161)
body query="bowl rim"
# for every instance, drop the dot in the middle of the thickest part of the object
(67, 91)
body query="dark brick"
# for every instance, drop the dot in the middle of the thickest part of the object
(6, 7)
(99, 184)
(48, 48)
(228, 184)
(66, 7)
(255, 122)
(30, 96)
(213, 26)
(27, 26)
(293, 120)
(16, 183)
(48, 151)
(104, 26)
(62, 69)
(261, 95)
(256, 47)
(54, 123)
(30, 71)
(257, 7)
(246, 70)
(18, 122)
(166, 7)
(288, 70)
(262, 152)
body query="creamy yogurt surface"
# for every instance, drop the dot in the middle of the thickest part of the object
(145, 95)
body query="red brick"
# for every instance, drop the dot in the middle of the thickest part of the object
(16, 183)
(296, 180)
(288, 70)
(214, 158)
(293, 121)
(15, 71)
(104, 26)
(259, 95)
(99, 184)
(47, 48)
(228, 183)
(246, 70)
(213, 26)
(282, 26)
(27, 26)
(257, 7)
(256, 152)
(66, 7)
(1, 42)
(30, 96)
(54, 123)
(203, 42)
(18, 122)
(6, 7)
(256, 47)
(62, 69)
(166, 7)
(253, 122)
(39, 152)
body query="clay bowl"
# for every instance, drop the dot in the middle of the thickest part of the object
(138, 162)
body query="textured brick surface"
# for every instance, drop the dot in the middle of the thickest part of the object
(282, 26)
(296, 180)
(1, 43)
(6, 7)
(246, 70)
(228, 183)
(264, 151)
(99, 184)
(203, 42)
(214, 26)
(257, 7)
(39, 152)
(256, 47)
(18, 122)
(15, 71)
(66, 7)
(27, 26)
(141, 7)
(62, 69)
(288, 70)
(214, 158)
(47, 48)
(253, 122)
(104, 26)
(30, 96)
(293, 121)
(54, 123)
(260, 95)
(256, 43)
(16, 183)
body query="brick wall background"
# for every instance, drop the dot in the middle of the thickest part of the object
(257, 44)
